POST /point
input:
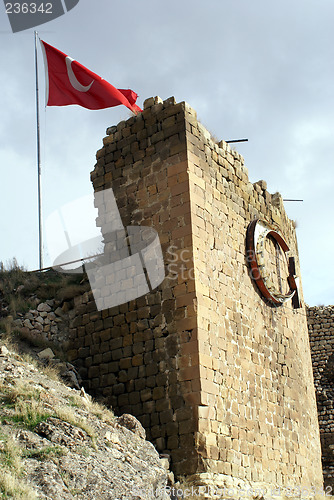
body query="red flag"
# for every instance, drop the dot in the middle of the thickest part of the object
(68, 82)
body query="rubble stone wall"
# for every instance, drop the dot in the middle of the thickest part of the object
(220, 380)
(321, 331)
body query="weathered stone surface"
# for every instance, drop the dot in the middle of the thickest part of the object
(46, 354)
(43, 307)
(131, 423)
(28, 324)
(59, 312)
(3, 350)
(74, 453)
(321, 333)
(151, 101)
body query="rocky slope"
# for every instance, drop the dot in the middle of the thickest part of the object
(56, 443)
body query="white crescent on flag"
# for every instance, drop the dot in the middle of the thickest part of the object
(62, 80)
(73, 79)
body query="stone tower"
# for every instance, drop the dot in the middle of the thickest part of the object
(220, 376)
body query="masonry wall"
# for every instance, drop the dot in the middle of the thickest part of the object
(133, 353)
(321, 331)
(257, 418)
(220, 380)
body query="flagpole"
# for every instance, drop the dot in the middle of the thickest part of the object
(40, 233)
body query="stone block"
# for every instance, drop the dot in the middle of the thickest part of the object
(93, 372)
(146, 394)
(158, 393)
(151, 101)
(125, 363)
(113, 366)
(137, 360)
(173, 442)
(118, 389)
(117, 354)
(166, 416)
(148, 406)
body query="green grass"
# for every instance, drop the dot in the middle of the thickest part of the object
(28, 410)
(24, 400)
(46, 453)
(29, 414)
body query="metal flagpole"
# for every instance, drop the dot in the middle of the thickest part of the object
(39, 164)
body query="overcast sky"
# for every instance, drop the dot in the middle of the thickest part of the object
(259, 70)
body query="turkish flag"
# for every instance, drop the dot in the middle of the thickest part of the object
(68, 82)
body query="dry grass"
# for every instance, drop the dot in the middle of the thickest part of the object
(52, 372)
(17, 286)
(17, 303)
(6, 328)
(11, 455)
(11, 467)
(11, 486)
(30, 413)
(24, 400)
(28, 409)
(99, 410)
(67, 414)
(27, 358)
(38, 341)
(31, 339)
(70, 291)
(102, 412)
(46, 453)
(12, 394)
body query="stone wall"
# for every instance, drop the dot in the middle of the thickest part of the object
(321, 331)
(133, 353)
(221, 380)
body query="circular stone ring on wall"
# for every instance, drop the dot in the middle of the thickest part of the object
(258, 233)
